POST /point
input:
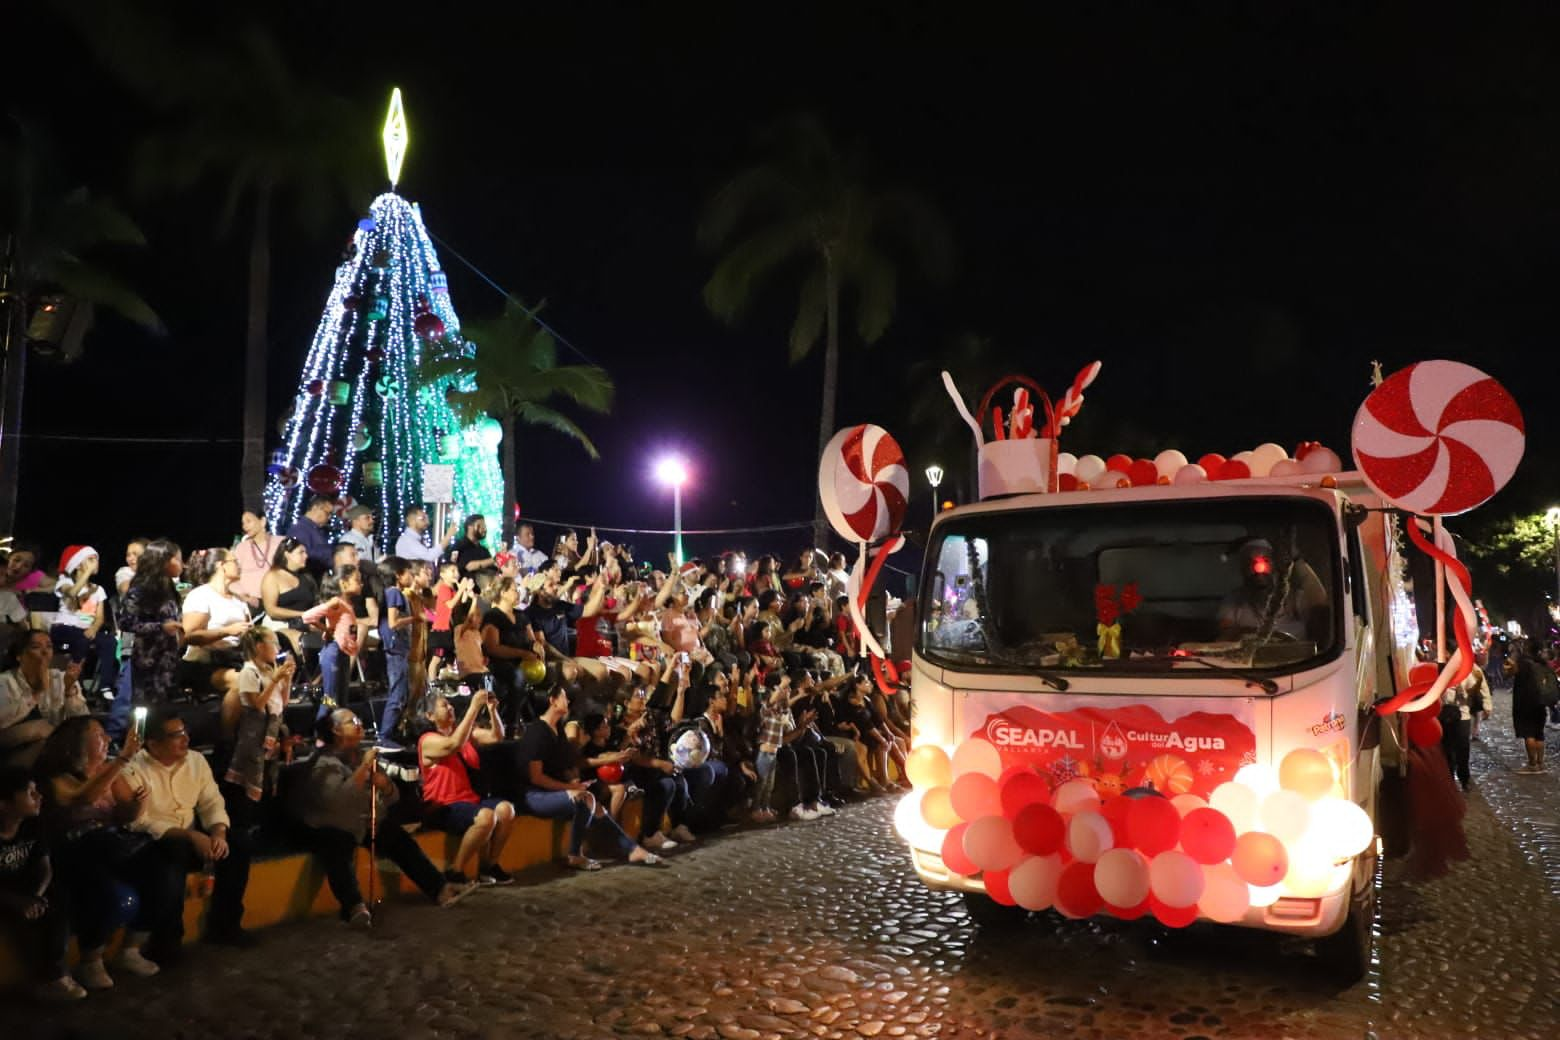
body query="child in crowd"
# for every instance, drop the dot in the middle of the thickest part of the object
(26, 877)
(339, 618)
(258, 734)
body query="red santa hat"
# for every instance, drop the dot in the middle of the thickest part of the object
(74, 556)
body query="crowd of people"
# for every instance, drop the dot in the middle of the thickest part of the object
(562, 685)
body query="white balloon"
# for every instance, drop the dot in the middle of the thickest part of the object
(1076, 796)
(1169, 462)
(1238, 802)
(1088, 835)
(1343, 825)
(1310, 869)
(977, 756)
(1225, 896)
(1264, 456)
(1260, 778)
(912, 826)
(1121, 876)
(990, 845)
(1032, 882)
(1286, 815)
(1321, 460)
(1176, 878)
(1089, 468)
(1112, 479)
(1191, 473)
(1243, 456)
(1066, 462)
(1264, 895)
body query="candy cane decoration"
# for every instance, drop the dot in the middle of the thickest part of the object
(1421, 695)
(1072, 401)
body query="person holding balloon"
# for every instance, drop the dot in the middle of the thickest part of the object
(516, 655)
(601, 766)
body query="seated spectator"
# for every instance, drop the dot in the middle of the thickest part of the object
(81, 625)
(545, 762)
(256, 704)
(510, 643)
(331, 801)
(34, 699)
(31, 911)
(778, 731)
(665, 787)
(447, 754)
(712, 788)
(289, 590)
(554, 619)
(88, 810)
(188, 821)
(595, 751)
(854, 718)
(213, 620)
(836, 753)
(470, 661)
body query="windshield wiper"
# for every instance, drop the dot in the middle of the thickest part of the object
(999, 657)
(1263, 682)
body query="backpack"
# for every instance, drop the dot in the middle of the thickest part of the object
(1548, 685)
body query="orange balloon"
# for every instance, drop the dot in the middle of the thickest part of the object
(975, 795)
(937, 808)
(1260, 859)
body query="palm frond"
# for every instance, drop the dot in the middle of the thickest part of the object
(533, 414)
(811, 311)
(98, 287)
(730, 289)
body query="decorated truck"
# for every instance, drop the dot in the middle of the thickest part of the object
(1154, 687)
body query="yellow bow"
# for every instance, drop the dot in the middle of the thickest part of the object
(1110, 640)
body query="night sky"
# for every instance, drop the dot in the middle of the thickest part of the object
(1236, 207)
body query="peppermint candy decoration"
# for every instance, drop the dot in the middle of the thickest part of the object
(1438, 438)
(863, 483)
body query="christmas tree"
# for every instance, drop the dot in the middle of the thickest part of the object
(367, 417)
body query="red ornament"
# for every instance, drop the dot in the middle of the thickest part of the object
(953, 855)
(1172, 916)
(997, 887)
(325, 480)
(1143, 473)
(1153, 825)
(1021, 790)
(428, 326)
(1207, 835)
(1039, 829)
(1076, 895)
(317, 387)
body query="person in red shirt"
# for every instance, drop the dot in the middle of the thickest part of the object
(447, 754)
(441, 640)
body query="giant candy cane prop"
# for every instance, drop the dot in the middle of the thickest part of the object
(1421, 695)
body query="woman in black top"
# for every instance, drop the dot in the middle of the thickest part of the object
(509, 644)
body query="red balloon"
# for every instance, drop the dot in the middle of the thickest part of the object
(1039, 829)
(1423, 672)
(1022, 789)
(953, 855)
(1172, 916)
(1119, 464)
(1066, 482)
(997, 887)
(1212, 462)
(1207, 835)
(1153, 825)
(1076, 895)
(1232, 470)
(1143, 473)
(1128, 913)
(1115, 811)
(610, 773)
(974, 795)
(1424, 729)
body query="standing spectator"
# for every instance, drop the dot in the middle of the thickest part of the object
(360, 533)
(35, 699)
(545, 762)
(153, 616)
(470, 554)
(289, 590)
(213, 620)
(81, 623)
(447, 753)
(27, 910)
(339, 617)
(313, 530)
(132, 557)
(527, 554)
(333, 801)
(258, 701)
(1528, 676)
(395, 636)
(413, 541)
(181, 792)
(255, 550)
(470, 661)
(441, 636)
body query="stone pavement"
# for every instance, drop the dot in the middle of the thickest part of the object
(822, 930)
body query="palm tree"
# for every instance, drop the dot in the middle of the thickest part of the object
(516, 372)
(811, 207)
(47, 232)
(236, 111)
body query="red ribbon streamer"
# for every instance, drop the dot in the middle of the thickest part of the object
(883, 670)
(1454, 570)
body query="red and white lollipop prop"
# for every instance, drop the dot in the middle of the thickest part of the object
(1438, 438)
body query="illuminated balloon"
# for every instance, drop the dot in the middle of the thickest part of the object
(1088, 835)
(1153, 825)
(1172, 916)
(937, 808)
(929, 766)
(1185, 803)
(1264, 895)
(1076, 796)
(1039, 829)
(1261, 779)
(1169, 462)
(1344, 826)
(975, 795)
(911, 825)
(1175, 879)
(1285, 815)
(1066, 462)
(1307, 772)
(977, 756)
(996, 882)
(1089, 468)
(953, 856)
(990, 845)
(1236, 801)
(1264, 456)
(1207, 835)
(1191, 474)
(1076, 896)
(534, 670)
(1260, 859)
(1032, 881)
(1286, 468)
(1121, 877)
(1225, 896)
(1310, 870)
(1114, 478)
(1116, 811)
(1022, 790)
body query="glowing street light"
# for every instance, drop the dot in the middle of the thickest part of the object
(673, 472)
(934, 477)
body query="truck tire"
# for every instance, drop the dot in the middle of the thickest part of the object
(1345, 956)
(988, 913)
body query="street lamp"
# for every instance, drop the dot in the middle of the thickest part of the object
(934, 475)
(673, 472)
(1553, 517)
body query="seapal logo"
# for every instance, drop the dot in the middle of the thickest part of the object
(1112, 743)
(1004, 733)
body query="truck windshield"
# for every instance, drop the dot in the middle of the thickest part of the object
(1171, 587)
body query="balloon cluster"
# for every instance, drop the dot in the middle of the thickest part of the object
(1086, 851)
(1081, 473)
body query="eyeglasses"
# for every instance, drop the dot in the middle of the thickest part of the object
(180, 734)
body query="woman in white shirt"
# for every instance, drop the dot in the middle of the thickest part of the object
(214, 619)
(35, 699)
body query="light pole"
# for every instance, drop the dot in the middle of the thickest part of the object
(673, 472)
(1553, 517)
(934, 477)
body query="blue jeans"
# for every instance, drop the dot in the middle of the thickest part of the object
(75, 643)
(765, 767)
(119, 711)
(557, 805)
(707, 787)
(395, 668)
(333, 678)
(665, 796)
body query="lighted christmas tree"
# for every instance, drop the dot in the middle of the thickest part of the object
(367, 417)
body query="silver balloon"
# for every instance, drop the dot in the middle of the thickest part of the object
(691, 749)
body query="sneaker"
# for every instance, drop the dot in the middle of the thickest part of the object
(93, 975)
(493, 874)
(62, 989)
(659, 842)
(361, 918)
(387, 744)
(136, 963)
(823, 809)
(455, 877)
(683, 835)
(801, 812)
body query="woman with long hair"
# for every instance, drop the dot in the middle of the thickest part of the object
(154, 616)
(214, 619)
(288, 590)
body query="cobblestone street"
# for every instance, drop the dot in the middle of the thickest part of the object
(822, 930)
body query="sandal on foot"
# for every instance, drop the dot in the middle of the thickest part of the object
(582, 863)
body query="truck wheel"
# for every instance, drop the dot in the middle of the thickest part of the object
(1345, 955)
(988, 913)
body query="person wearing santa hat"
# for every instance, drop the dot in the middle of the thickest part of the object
(79, 626)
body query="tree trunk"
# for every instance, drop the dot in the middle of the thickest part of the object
(511, 495)
(256, 351)
(831, 379)
(14, 335)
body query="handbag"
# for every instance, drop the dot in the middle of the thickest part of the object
(1548, 685)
